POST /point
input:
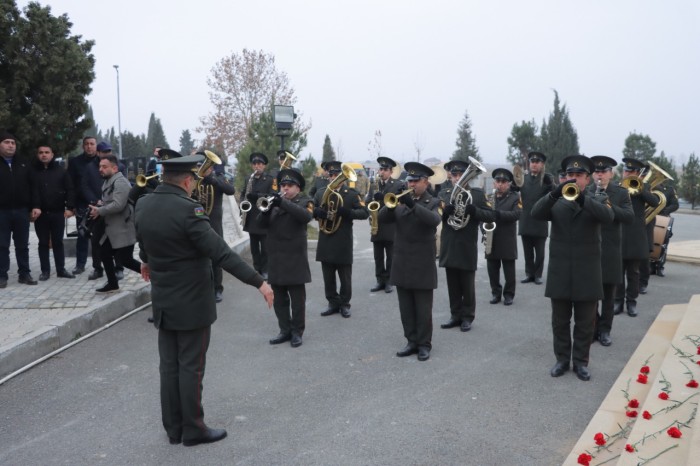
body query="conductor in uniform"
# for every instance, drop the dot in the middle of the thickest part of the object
(611, 256)
(334, 250)
(258, 184)
(504, 244)
(574, 277)
(383, 240)
(534, 232)
(286, 220)
(413, 269)
(177, 247)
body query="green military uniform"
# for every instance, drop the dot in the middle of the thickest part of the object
(179, 246)
(263, 184)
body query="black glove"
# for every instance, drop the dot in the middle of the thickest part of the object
(581, 195)
(515, 188)
(344, 212)
(320, 213)
(557, 191)
(276, 200)
(469, 209)
(378, 197)
(497, 213)
(547, 181)
(407, 200)
(447, 211)
(252, 197)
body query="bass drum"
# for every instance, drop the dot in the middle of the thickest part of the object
(662, 231)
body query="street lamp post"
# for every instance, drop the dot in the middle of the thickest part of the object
(284, 121)
(119, 115)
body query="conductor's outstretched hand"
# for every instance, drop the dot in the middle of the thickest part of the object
(266, 291)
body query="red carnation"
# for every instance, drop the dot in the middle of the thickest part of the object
(599, 439)
(631, 413)
(641, 378)
(584, 459)
(633, 403)
(644, 370)
(692, 384)
(674, 432)
(698, 349)
(629, 448)
(663, 395)
(698, 363)
(646, 415)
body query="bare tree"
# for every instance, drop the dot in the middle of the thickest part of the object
(418, 145)
(375, 145)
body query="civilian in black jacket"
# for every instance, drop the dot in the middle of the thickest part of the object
(57, 201)
(19, 200)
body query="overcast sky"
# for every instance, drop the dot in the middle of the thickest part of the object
(411, 68)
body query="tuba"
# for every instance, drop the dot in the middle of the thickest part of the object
(332, 200)
(204, 194)
(461, 196)
(654, 178)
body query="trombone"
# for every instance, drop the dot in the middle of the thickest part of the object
(633, 184)
(142, 180)
(391, 200)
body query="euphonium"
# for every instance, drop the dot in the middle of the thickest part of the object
(461, 197)
(332, 200)
(204, 194)
(570, 191)
(288, 161)
(373, 208)
(391, 200)
(654, 178)
(633, 185)
(142, 180)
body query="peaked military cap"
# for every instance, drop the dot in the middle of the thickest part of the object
(182, 164)
(258, 157)
(577, 164)
(633, 164)
(603, 163)
(416, 171)
(456, 166)
(334, 166)
(536, 156)
(502, 174)
(167, 154)
(386, 162)
(289, 175)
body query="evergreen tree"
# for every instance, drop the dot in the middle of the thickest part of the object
(639, 146)
(134, 145)
(523, 139)
(308, 169)
(466, 142)
(690, 182)
(558, 137)
(45, 75)
(328, 152)
(186, 142)
(666, 164)
(155, 136)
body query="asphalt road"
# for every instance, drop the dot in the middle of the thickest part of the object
(484, 398)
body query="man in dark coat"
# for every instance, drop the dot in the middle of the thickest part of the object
(286, 220)
(504, 244)
(177, 247)
(334, 250)
(533, 232)
(611, 233)
(259, 184)
(635, 244)
(85, 194)
(458, 251)
(19, 201)
(574, 276)
(383, 240)
(413, 270)
(320, 181)
(57, 201)
(657, 266)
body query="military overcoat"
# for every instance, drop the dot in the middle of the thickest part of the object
(504, 245)
(635, 243)
(387, 230)
(262, 186)
(530, 192)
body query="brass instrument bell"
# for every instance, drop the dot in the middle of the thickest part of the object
(142, 180)
(570, 191)
(391, 200)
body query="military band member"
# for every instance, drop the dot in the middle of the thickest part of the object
(574, 277)
(320, 181)
(289, 214)
(258, 184)
(383, 240)
(334, 251)
(635, 244)
(458, 252)
(504, 243)
(657, 267)
(413, 270)
(562, 177)
(177, 247)
(611, 254)
(532, 231)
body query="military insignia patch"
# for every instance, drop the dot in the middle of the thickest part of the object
(274, 184)
(199, 211)
(310, 207)
(520, 203)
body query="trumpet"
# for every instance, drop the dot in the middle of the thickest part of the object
(570, 191)
(373, 208)
(391, 200)
(263, 203)
(142, 180)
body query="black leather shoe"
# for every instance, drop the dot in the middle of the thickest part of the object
(107, 288)
(407, 350)
(281, 338)
(345, 311)
(209, 436)
(495, 299)
(507, 301)
(660, 272)
(377, 287)
(218, 296)
(95, 274)
(119, 274)
(451, 323)
(604, 339)
(527, 280)
(63, 273)
(150, 319)
(330, 311)
(78, 270)
(642, 289)
(617, 307)
(388, 288)
(631, 309)
(174, 441)
(27, 279)
(465, 326)
(582, 373)
(3, 282)
(296, 341)
(44, 276)
(538, 281)
(559, 369)
(423, 353)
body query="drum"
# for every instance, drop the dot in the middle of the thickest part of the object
(662, 231)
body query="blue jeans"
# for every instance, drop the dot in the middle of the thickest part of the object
(14, 224)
